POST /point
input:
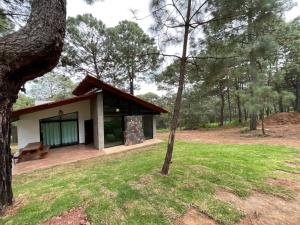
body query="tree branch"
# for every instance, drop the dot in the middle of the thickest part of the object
(197, 24)
(174, 5)
(200, 7)
(35, 49)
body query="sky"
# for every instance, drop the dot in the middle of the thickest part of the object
(111, 12)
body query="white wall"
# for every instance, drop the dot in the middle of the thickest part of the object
(98, 120)
(28, 125)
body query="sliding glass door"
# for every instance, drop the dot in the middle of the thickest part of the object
(113, 131)
(51, 133)
(60, 130)
(69, 132)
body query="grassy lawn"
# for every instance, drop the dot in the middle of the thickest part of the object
(128, 189)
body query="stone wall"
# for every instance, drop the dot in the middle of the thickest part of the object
(134, 133)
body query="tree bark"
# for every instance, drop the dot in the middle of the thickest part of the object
(98, 76)
(297, 100)
(280, 104)
(6, 194)
(252, 69)
(245, 114)
(175, 116)
(26, 54)
(131, 86)
(262, 122)
(253, 121)
(229, 104)
(238, 102)
(268, 111)
(222, 99)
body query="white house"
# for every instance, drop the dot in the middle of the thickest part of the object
(100, 114)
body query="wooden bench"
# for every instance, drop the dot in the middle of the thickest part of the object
(45, 151)
(31, 151)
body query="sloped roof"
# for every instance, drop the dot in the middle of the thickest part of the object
(50, 105)
(85, 91)
(90, 83)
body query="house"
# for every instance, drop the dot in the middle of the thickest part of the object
(99, 114)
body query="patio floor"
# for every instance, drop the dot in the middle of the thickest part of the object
(74, 153)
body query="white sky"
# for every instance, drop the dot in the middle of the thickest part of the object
(111, 12)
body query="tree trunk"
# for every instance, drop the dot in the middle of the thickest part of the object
(275, 108)
(26, 54)
(245, 114)
(175, 116)
(98, 76)
(280, 104)
(297, 100)
(6, 194)
(252, 69)
(253, 121)
(262, 122)
(222, 99)
(268, 111)
(229, 104)
(131, 86)
(238, 102)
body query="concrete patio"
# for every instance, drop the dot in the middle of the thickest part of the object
(69, 154)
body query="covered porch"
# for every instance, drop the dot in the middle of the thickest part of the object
(74, 153)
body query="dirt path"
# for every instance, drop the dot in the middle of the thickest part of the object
(74, 216)
(262, 209)
(279, 135)
(259, 208)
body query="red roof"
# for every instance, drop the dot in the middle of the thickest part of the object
(83, 92)
(37, 108)
(90, 83)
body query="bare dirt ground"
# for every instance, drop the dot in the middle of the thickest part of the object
(75, 216)
(262, 209)
(259, 208)
(193, 217)
(288, 135)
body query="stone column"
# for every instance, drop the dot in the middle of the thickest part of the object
(134, 133)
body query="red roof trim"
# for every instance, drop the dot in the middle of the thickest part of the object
(37, 108)
(89, 83)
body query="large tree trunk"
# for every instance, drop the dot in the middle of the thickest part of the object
(6, 194)
(26, 54)
(175, 116)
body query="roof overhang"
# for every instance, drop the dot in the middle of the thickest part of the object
(17, 113)
(87, 89)
(90, 83)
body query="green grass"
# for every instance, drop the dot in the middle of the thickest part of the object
(128, 188)
(227, 123)
(163, 130)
